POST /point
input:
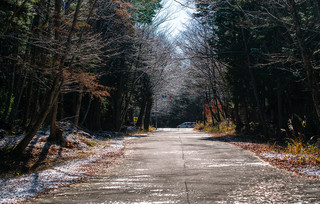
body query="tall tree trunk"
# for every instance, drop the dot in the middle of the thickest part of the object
(26, 115)
(147, 116)
(78, 106)
(204, 111)
(141, 114)
(280, 109)
(118, 102)
(237, 118)
(55, 131)
(87, 111)
(254, 86)
(60, 108)
(17, 99)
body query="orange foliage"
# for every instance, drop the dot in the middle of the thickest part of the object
(213, 107)
(122, 11)
(89, 81)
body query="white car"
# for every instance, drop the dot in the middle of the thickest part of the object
(187, 125)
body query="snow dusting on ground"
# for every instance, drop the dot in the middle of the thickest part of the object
(282, 160)
(273, 155)
(21, 187)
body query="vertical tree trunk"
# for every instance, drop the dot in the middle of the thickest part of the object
(141, 114)
(26, 115)
(254, 86)
(147, 116)
(204, 112)
(280, 109)
(87, 111)
(78, 106)
(17, 99)
(237, 118)
(60, 108)
(55, 131)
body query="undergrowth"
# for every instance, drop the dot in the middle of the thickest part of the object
(223, 127)
(141, 131)
(306, 152)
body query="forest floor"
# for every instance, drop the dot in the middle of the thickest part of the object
(300, 164)
(47, 166)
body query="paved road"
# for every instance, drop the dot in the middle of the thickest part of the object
(183, 166)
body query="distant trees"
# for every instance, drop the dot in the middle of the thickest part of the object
(79, 60)
(268, 56)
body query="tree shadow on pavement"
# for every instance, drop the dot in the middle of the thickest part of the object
(235, 138)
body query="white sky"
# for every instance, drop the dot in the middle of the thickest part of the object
(178, 14)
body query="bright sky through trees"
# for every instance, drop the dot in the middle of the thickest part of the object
(178, 13)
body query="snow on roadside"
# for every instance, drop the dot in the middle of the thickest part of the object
(276, 155)
(312, 171)
(286, 161)
(20, 188)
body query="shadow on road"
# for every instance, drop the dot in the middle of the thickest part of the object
(232, 138)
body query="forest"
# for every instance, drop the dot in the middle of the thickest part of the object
(89, 62)
(100, 64)
(255, 63)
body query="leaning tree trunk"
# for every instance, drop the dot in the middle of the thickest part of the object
(44, 111)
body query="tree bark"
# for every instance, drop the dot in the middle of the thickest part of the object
(141, 114)
(254, 86)
(280, 109)
(51, 98)
(87, 111)
(147, 116)
(78, 106)
(56, 133)
(17, 99)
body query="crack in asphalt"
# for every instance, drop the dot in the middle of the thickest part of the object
(184, 170)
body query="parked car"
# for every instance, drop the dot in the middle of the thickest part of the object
(187, 125)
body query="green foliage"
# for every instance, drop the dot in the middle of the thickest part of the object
(145, 10)
(87, 141)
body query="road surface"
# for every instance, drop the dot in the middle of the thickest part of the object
(184, 166)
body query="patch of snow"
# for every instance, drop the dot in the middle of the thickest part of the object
(10, 141)
(20, 188)
(311, 171)
(274, 155)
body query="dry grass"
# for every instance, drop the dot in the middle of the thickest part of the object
(226, 127)
(309, 153)
(141, 131)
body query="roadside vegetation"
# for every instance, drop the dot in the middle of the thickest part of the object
(294, 155)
